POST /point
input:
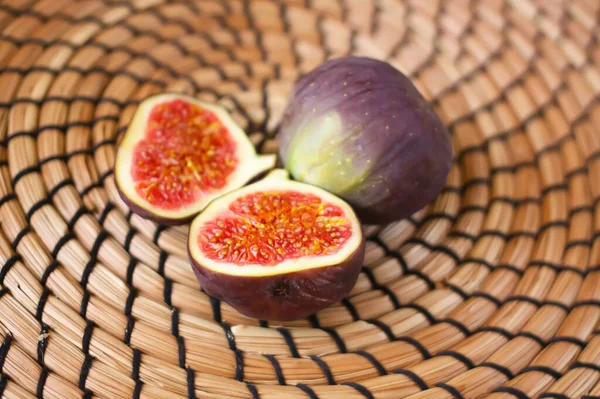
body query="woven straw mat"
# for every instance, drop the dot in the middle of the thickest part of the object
(491, 291)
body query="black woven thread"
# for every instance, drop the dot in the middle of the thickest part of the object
(468, 363)
(276, 368)
(555, 267)
(98, 184)
(396, 255)
(252, 389)
(364, 391)
(413, 377)
(351, 309)
(324, 368)
(215, 305)
(4, 348)
(62, 241)
(85, 370)
(87, 271)
(512, 391)
(384, 328)
(376, 286)
(162, 259)
(532, 336)
(580, 209)
(42, 304)
(181, 354)
(589, 302)
(289, 341)
(229, 336)
(10, 262)
(39, 390)
(22, 173)
(8, 197)
(159, 229)
(554, 395)
(549, 225)
(535, 302)
(431, 217)
(107, 209)
(341, 345)
(128, 238)
(3, 383)
(239, 357)
(130, 270)
(87, 337)
(476, 294)
(417, 345)
(36, 207)
(82, 210)
(129, 301)
(577, 243)
(456, 324)
(167, 293)
(435, 248)
(191, 383)
(470, 237)
(423, 311)
(15, 243)
(85, 300)
(505, 333)
(578, 365)
(135, 364)
(89, 267)
(308, 391)
(499, 368)
(129, 330)
(450, 389)
(542, 369)
(64, 183)
(137, 391)
(374, 362)
(48, 271)
(265, 104)
(42, 343)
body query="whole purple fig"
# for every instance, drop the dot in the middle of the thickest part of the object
(359, 128)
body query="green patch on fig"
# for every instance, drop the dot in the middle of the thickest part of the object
(321, 160)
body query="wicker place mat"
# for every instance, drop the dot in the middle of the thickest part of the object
(491, 291)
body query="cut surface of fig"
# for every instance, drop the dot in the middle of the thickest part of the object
(178, 154)
(277, 249)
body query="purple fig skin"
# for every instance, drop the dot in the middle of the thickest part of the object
(396, 151)
(282, 297)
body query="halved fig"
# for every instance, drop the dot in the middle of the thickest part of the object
(180, 153)
(277, 249)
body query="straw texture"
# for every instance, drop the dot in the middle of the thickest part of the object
(491, 291)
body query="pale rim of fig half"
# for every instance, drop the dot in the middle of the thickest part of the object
(276, 181)
(249, 164)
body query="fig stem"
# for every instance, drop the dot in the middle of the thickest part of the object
(278, 174)
(264, 162)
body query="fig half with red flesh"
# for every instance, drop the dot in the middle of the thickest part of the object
(277, 249)
(180, 153)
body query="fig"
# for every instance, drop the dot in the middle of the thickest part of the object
(360, 129)
(180, 153)
(277, 249)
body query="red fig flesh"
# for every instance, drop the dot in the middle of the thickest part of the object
(178, 154)
(277, 249)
